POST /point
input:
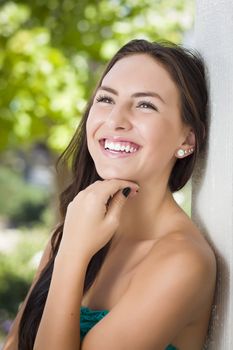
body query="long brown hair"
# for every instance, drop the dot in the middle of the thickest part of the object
(186, 69)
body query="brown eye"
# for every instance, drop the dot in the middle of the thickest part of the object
(147, 105)
(104, 99)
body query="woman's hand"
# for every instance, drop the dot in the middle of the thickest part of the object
(93, 216)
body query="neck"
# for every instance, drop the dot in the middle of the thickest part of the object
(146, 215)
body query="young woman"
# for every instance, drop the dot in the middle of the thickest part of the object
(126, 264)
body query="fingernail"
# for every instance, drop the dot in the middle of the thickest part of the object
(126, 191)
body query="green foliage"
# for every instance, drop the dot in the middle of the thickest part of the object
(22, 203)
(51, 53)
(17, 269)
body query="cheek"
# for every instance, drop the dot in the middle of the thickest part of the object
(156, 131)
(90, 130)
(94, 120)
(88, 127)
(91, 125)
(161, 138)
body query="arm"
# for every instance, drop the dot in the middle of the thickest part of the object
(59, 326)
(12, 338)
(60, 322)
(162, 298)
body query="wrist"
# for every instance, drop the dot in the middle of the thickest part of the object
(77, 257)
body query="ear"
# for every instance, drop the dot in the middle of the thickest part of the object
(188, 146)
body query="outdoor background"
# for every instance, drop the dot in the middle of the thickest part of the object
(51, 54)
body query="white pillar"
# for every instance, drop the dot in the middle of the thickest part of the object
(212, 182)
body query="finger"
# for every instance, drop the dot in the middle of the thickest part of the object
(117, 203)
(106, 189)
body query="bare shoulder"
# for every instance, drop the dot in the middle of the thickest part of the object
(182, 257)
(186, 244)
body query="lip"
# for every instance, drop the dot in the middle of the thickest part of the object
(116, 154)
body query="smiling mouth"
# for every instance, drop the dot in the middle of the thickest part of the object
(118, 149)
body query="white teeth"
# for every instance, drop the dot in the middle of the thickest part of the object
(118, 147)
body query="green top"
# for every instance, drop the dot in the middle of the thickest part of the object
(89, 317)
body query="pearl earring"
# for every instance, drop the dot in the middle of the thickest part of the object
(180, 152)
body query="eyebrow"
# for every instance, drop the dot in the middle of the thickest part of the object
(136, 94)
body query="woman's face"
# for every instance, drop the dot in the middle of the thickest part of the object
(135, 109)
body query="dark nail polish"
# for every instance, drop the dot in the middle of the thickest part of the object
(126, 191)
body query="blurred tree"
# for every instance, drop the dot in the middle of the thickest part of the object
(51, 53)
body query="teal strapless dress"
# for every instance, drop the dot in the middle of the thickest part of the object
(89, 317)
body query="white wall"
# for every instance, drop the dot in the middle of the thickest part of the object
(212, 200)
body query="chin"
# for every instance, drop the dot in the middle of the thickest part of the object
(109, 174)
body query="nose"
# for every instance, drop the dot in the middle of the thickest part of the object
(119, 118)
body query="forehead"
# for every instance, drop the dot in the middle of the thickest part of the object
(140, 71)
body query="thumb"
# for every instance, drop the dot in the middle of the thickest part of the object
(117, 203)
